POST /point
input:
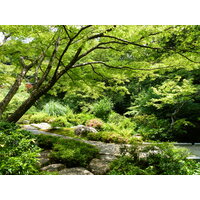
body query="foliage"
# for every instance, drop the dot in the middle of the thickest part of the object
(103, 108)
(80, 118)
(95, 123)
(18, 151)
(154, 159)
(69, 152)
(54, 108)
(112, 137)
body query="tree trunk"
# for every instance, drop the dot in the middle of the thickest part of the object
(26, 105)
(4, 103)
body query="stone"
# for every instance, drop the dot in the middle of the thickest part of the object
(82, 130)
(75, 171)
(53, 167)
(44, 158)
(99, 167)
(29, 127)
(26, 122)
(43, 126)
(108, 158)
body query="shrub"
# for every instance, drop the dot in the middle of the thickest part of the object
(103, 108)
(46, 141)
(61, 121)
(111, 137)
(81, 118)
(156, 159)
(95, 123)
(69, 152)
(18, 151)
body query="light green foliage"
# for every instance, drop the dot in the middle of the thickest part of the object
(123, 137)
(54, 108)
(80, 118)
(172, 92)
(154, 159)
(17, 100)
(18, 151)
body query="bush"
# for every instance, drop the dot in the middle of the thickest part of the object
(111, 137)
(61, 121)
(69, 152)
(159, 159)
(95, 123)
(18, 151)
(78, 119)
(102, 109)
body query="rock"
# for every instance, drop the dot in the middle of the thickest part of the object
(26, 122)
(44, 158)
(83, 130)
(53, 167)
(99, 167)
(75, 171)
(29, 127)
(44, 126)
(108, 158)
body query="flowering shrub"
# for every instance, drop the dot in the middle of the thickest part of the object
(95, 123)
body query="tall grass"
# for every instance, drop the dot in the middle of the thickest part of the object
(54, 108)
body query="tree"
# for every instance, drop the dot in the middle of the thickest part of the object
(51, 52)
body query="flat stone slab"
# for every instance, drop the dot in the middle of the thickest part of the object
(44, 158)
(53, 167)
(29, 127)
(75, 171)
(44, 126)
(99, 167)
(108, 157)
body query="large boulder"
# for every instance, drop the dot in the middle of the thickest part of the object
(81, 130)
(75, 171)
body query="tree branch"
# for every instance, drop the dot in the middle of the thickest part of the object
(124, 67)
(187, 58)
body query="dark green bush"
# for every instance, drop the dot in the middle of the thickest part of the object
(69, 152)
(18, 151)
(103, 108)
(157, 159)
(46, 141)
(73, 153)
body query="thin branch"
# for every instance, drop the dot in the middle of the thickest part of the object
(156, 33)
(187, 58)
(101, 34)
(70, 77)
(66, 32)
(98, 46)
(124, 67)
(83, 28)
(128, 42)
(99, 74)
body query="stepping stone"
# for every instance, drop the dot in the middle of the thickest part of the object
(99, 167)
(44, 126)
(75, 171)
(29, 127)
(44, 158)
(108, 158)
(53, 167)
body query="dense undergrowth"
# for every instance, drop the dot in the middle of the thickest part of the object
(154, 159)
